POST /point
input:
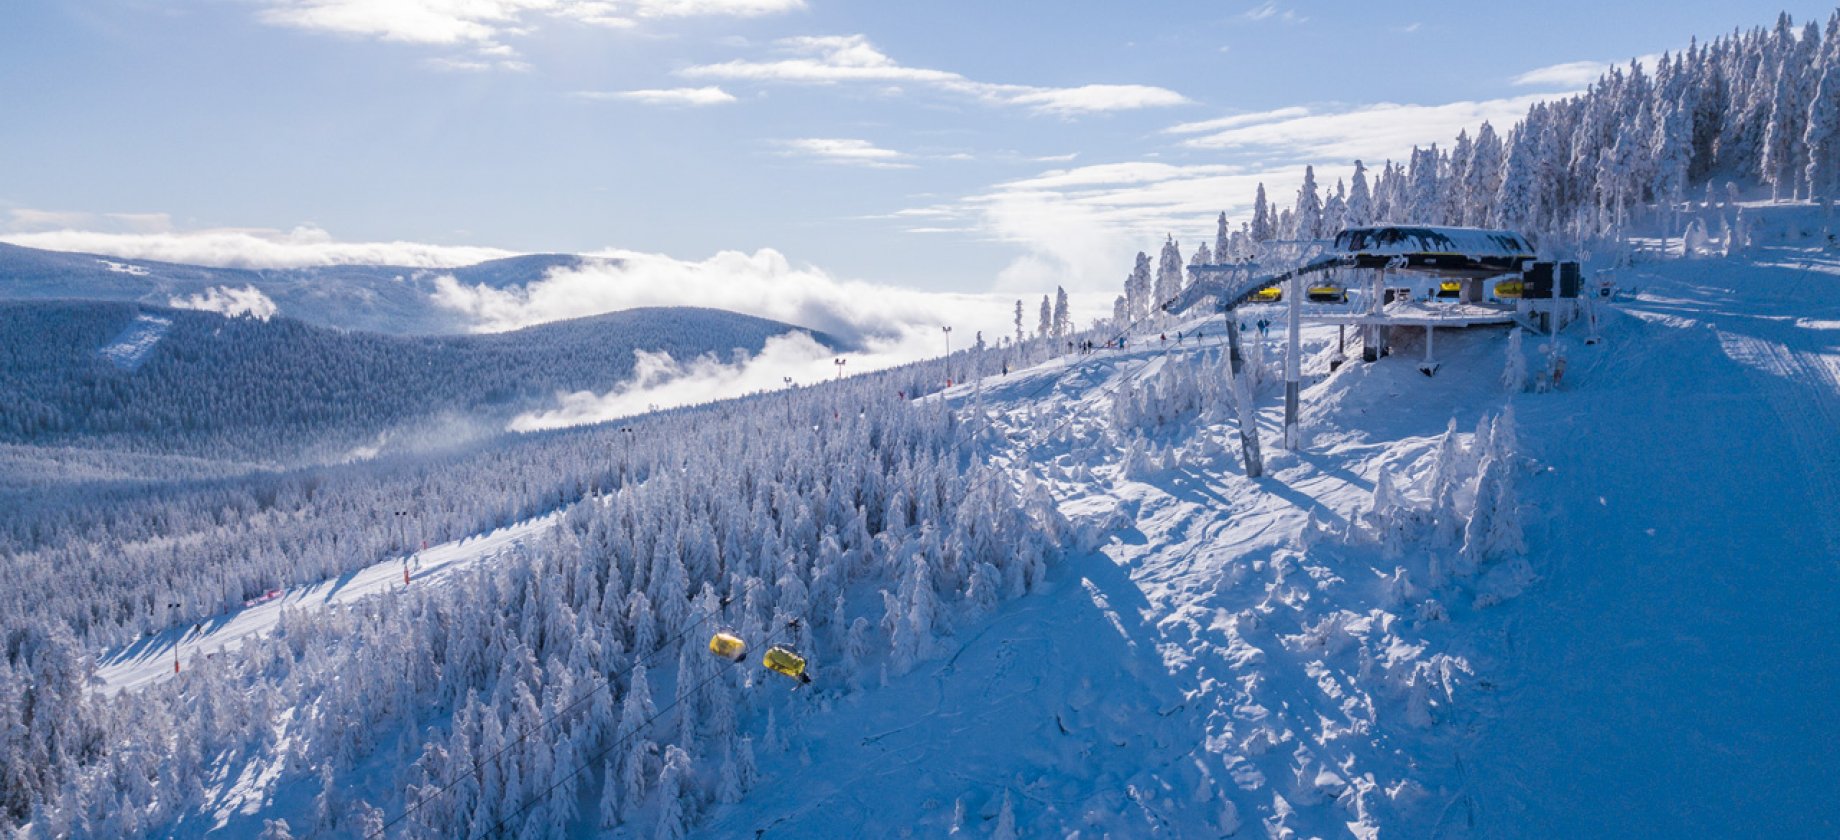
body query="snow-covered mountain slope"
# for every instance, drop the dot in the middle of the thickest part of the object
(1251, 657)
(1460, 611)
(171, 381)
(153, 657)
(386, 299)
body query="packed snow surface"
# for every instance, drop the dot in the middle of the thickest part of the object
(151, 658)
(130, 349)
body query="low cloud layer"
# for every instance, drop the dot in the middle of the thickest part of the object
(247, 301)
(661, 382)
(253, 248)
(763, 283)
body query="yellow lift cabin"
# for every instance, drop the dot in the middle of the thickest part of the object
(728, 646)
(782, 660)
(1327, 293)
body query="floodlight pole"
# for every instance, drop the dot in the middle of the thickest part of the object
(839, 363)
(626, 463)
(948, 332)
(1293, 436)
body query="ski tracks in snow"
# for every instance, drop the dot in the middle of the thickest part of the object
(151, 659)
(1803, 390)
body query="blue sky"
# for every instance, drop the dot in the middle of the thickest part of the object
(944, 146)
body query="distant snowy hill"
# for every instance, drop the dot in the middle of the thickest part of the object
(174, 381)
(390, 299)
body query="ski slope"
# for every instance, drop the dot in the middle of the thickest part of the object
(151, 658)
(1675, 672)
(1203, 669)
(1226, 660)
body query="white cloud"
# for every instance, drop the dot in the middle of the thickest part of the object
(848, 152)
(1088, 99)
(1270, 10)
(715, 8)
(247, 301)
(1368, 132)
(763, 283)
(679, 97)
(660, 381)
(27, 220)
(407, 21)
(254, 248)
(482, 24)
(887, 325)
(839, 59)
(1574, 75)
(1079, 227)
(1570, 75)
(1237, 120)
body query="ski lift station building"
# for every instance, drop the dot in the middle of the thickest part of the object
(1404, 276)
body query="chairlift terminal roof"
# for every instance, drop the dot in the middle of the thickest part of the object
(1447, 251)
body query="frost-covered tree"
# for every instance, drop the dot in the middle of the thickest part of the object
(1044, 324)
(1822, 136)
(1063, 319)
(1202, 256)
(1263, 223)
(1515, 205)
(1168, 274)
(676, 800)
(1137, 288)
(1514, 373)
(1308, 216)
(1360, 201)
(1221, 236)
(1335, 212)
(1422, 203)
(1481, 183)
(1006, 820)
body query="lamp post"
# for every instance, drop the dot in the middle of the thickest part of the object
(788, 381)
(626, 433)
(839, 363)
(948, 332)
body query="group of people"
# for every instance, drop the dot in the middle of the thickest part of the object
(1086, 346)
